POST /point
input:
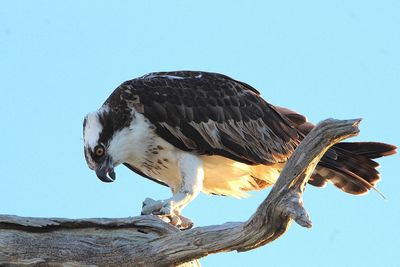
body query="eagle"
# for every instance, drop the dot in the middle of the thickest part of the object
(198, 131)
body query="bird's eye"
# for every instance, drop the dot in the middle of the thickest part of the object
(99, 151)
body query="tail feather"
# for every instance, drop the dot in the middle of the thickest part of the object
(351, 163)
(347, 165)
(371, 150)
(348, 183)
(353, 171)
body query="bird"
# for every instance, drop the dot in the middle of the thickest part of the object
(196, 131)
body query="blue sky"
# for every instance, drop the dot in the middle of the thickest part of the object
(61, 59)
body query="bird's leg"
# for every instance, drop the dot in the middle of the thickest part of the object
(192, 176)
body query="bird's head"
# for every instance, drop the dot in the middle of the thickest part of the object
(104, 143)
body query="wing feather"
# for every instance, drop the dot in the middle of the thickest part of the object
(211, 114)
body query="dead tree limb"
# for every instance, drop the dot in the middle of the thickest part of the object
(148, 241)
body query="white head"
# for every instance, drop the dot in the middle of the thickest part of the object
(106, 138)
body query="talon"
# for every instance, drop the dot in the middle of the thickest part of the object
(186, 223)
(176, 221)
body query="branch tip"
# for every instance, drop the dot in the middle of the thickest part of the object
(303, 220)
(294, 209)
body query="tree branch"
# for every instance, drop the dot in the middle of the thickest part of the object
(148, 241)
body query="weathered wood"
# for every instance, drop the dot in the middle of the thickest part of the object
(148, 241)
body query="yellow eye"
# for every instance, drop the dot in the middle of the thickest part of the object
(99, 151)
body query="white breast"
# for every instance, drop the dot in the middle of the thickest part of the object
(142, 148)
(139, 146)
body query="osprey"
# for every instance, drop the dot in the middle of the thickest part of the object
(199, 131)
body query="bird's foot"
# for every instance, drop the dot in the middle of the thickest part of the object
(166, 211)
(179, 221)
(157, 207)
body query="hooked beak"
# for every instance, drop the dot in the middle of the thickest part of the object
(105, 172)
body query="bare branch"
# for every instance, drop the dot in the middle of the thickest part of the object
(148, 241)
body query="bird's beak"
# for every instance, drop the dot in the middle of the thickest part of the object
(105, 172)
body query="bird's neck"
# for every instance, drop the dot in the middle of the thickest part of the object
(130, 144)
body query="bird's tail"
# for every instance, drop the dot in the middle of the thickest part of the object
(350, 166)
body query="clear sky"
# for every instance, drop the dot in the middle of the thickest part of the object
(61, 59)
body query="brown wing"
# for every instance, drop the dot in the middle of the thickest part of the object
(211, 114)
